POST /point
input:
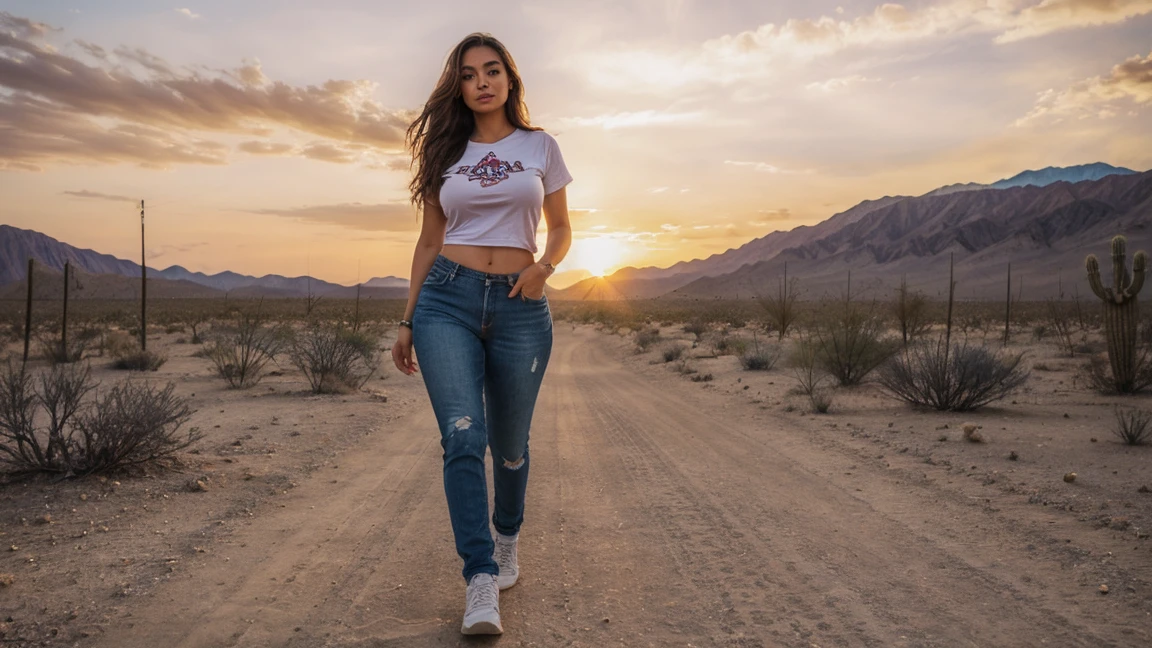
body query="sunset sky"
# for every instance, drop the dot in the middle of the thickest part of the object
(267, 137)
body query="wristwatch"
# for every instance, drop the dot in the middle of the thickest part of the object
(551, 268)
(407, 323)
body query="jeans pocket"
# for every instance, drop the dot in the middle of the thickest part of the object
(437, 276)
(530, 300)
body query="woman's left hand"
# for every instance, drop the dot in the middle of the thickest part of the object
(530, 283)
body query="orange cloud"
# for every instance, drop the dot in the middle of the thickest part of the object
(1130, 80)
(388, 217)
(181, 103)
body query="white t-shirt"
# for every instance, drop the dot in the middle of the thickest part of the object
(494, 194)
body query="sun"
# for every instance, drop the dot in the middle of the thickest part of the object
(598, 254)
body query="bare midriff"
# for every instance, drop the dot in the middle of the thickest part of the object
(493, 260)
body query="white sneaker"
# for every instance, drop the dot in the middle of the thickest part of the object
(505, 556)
(482, 609)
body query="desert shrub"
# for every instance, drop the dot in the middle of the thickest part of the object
(1132, 425)
(672, 352)
(760, 358)
(240, 349)
(1097, 373)
(821, 400)
(959, 379)
(129, 425)
(851, 343)
(1039, 331)
(335, 358)
(696, 327)
(810, 375)
(139, 360)
(910, 309)
(646, 338)
(118, 344)
(1060, 323)
(780, 308)
(702, 377)
(684, 368)
(53, 349)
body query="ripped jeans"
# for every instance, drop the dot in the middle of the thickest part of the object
(482, 356)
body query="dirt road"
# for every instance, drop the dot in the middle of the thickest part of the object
(659, 514)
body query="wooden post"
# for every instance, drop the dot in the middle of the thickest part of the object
(28, 311)
(64, 324)
(143, 286)
(1008, 304)
(951, 297)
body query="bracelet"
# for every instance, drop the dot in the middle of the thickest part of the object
(407, 323)
(551, 268)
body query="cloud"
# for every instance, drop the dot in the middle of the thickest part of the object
(328, 153)
(634, 119)
(84, 193)
(1128, 81)
(838, 84)
(388, 217)
(1058, 15)
(761, 53)
(180, 104)
(22, 27)
(187, 13)
(266, 148)
(35, 132)
(765, 217)
(764, 167)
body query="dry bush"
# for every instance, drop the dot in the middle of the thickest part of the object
(672, 352)
(240, 349)
(852, 342)
(697, 328)
(1060, 323)
(131, 424)
(1096, 374)
(781, 306)
(810, 375)
(959, 379)
(702, 377)
(139, 360)
(821, 400)
(910, 309)
(334, 358)
(760, 357)
(646, 338)
(1132, 425)
(55, 351)
(684, 368)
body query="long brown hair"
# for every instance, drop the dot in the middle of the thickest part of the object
(440, 134)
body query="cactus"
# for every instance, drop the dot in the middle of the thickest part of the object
(1120, 311)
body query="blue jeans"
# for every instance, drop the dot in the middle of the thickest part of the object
(482, 356)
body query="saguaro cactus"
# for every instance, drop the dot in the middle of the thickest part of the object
(1120, 311)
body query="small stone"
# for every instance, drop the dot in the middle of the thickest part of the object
(969, 428)
(6, 580)
(1066, 415)
(1070, 477)
(1144, 489)
(604, 620)
(1103, 589)
(1093, 439)
(83, 497)
(1012, 456)
(45, 519)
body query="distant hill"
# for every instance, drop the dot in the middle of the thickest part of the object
(18, 245)
(653, 282)
(1045, 232)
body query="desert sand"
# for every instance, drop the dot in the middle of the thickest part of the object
(661, 512)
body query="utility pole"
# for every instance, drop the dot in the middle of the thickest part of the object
(143, 286)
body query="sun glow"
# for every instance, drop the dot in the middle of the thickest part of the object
(598, 255)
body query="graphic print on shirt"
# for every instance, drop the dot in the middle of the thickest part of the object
(490, 171)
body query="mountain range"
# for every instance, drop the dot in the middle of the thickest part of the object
(1044, 222)
(18, 245)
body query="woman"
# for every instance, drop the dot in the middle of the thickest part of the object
(477, 316)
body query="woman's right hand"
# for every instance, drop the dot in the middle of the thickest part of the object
(402, 352)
